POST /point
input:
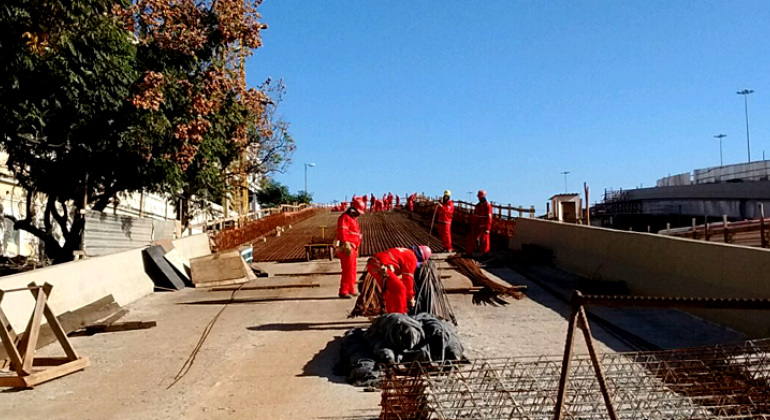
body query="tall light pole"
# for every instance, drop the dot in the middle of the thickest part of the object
(306, 166)
(565, 173)
(746, 93)
(720, 137)
(470, 197)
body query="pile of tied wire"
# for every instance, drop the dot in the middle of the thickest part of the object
(430, 296)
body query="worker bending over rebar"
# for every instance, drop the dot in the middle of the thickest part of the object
(386, 267)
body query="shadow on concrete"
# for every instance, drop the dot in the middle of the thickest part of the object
(322, 364)
(621, 329)
(310, 326)
(258, 300)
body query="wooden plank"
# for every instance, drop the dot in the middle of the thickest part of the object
(75, 320)
(219, 267)
(55, 372)
(120, 314)
(12, 382)
(119, 326)
(277, 286)
(220, 283)
(33, 333)
(8, 343)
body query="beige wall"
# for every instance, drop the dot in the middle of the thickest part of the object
(79, 283)
(660, 265)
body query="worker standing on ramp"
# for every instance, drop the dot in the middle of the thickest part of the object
(349, 237)
(386, 267)
(480, 225)
(446, 209)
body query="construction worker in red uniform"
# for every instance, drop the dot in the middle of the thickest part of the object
(390, 201)
(410, 201)
(446, 209)
(372, 203)
(386, 268)
(480, 225)
(398, 201)
(349, 238)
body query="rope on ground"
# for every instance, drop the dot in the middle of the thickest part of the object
(206, 331)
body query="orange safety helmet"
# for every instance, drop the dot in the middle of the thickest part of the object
(359, 205)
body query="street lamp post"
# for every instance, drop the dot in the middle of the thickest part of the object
(306, 166)
(746, 93)
(720, 137)
(565, 173)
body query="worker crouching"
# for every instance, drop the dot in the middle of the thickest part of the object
(394, 272)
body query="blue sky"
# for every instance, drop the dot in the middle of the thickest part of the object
(504, 95)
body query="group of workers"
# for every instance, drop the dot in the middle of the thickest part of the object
(394, 269)
(373, 204)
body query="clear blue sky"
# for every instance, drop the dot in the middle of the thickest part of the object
(413, 95)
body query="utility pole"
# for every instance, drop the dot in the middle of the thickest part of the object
(565, 173)
(746, 93)
(306, 166)
(720, 137)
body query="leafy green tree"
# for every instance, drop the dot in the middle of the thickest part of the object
(304, 197)
(105, 97)
(67, 71)
(272, 193)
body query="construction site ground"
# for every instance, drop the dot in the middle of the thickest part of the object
(271, 353)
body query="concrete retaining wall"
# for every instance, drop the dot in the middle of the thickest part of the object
(79, 283)
(660, 265)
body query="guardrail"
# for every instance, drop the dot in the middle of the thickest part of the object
(499, 211)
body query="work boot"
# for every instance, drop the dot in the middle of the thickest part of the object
(345, 296)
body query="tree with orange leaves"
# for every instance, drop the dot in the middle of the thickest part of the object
(104, 97)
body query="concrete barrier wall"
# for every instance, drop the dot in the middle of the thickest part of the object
(660, 265)
(79, 283)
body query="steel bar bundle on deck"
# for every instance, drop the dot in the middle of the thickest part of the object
(430, 296)
(369, 301)
(491, 292)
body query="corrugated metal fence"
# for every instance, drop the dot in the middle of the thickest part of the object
(107, 234)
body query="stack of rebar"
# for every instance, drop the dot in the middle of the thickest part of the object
(369, 302)
(382, 231)
(430, 296)
(719, 382)
(492, 293)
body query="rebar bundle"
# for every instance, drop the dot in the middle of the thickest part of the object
(718, 382)
(491, 292)
(430, 296)
(369, 301)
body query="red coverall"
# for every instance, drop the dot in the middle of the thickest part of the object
(398, 201)
(445, 212)
(480, 225)
(371, 203)
(386, 267)
(348, 231)
(390, 201)
(410, 202)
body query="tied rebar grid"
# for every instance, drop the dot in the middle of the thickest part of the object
(721, 382)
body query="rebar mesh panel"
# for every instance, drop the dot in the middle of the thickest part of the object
(721, 382)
